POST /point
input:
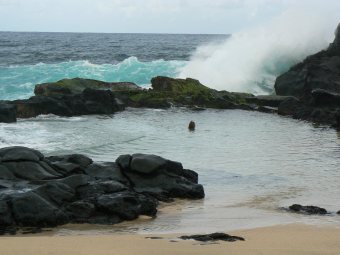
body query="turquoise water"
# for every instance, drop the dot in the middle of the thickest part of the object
(19, 81)
(27, 59)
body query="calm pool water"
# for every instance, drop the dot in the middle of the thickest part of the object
(250, 163)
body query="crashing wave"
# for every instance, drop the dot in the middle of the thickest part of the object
(19, 81)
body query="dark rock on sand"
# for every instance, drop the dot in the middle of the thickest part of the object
(213, 237)
(8, 112)
(5, 214)
(30, 209)
(38, 191)
(296, 208)
(169, 175)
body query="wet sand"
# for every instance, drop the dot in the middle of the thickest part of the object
(286, 239)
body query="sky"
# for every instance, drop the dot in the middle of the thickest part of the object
(148, 16)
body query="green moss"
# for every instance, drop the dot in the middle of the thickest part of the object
(150, 99)
(77, 85)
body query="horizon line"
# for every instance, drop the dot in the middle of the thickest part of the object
(75, 32)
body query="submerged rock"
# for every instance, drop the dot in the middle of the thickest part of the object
(213, 237)
(296, 208)
(8, 112)
(39, 191)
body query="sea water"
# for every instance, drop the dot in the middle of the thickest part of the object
(251, 164)
(27, 59)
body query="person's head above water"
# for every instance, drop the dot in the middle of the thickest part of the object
(192, 126)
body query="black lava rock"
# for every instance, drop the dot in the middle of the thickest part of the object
(315, 85)
(38, 191)
(8, 113)
(296, 208)
(214, 237)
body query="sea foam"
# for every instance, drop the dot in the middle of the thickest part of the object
(250, 60)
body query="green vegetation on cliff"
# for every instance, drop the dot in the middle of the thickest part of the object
(185, 92)
(164, 93)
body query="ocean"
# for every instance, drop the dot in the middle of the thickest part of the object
(251, 164)
(27, 59)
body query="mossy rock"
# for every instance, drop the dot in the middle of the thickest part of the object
(78, 85)
(184, 92)
(150, 99)
(179, 86)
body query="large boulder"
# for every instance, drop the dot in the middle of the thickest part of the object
(38, 105)
(8, 113)
(165, 178)
(318, 71)
(307, 209)
(39, 191)
(30, 209)
(167, 92)
(17, 153)
(146, 164)
(180, 86)
(127, 205)
(5, 214)
(78, 85)
(89, 101)
(315, 84)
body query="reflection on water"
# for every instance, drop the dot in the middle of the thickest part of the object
(250, 163)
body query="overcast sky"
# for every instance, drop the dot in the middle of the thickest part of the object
(149, 16)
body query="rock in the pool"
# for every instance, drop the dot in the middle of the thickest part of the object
(38, 191)
(296, 208)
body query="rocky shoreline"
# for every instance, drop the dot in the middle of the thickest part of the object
(76, 97)
(314, 85)
(38, 191)
(309, 91)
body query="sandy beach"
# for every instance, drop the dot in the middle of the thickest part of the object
(287, 239)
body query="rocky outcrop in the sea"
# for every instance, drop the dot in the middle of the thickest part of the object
(318, 71)
(39, 191)
(78, 85)
(74, 97)
(89, 101)
(167, 92)
(315, 84)
(308, 209)
(8, 112)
